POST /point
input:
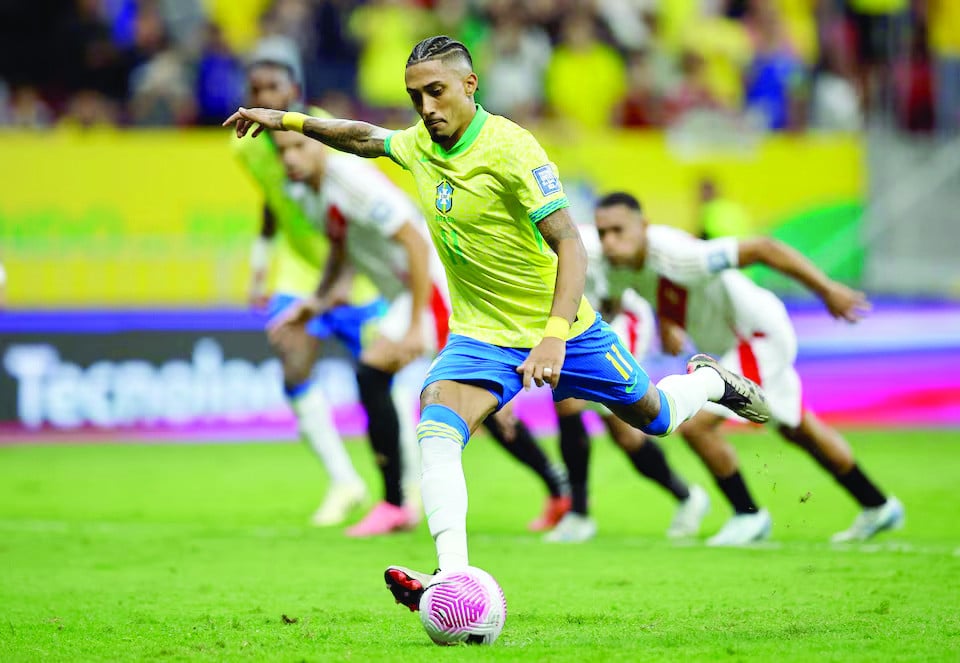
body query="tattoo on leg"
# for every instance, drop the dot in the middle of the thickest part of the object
(430, 395)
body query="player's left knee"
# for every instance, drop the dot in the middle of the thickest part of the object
(439, 421)
(664, 423)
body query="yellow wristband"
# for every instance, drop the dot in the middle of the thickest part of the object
(293, 121)
(557, 327)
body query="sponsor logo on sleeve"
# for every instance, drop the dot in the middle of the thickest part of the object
(718, 261)
(547, 179)
(380, 213)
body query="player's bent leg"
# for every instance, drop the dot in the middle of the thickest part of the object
(749, 523)
(453, 404)
(575, 451)
(879, 512)
(392, 424)
(514, 437)
(382, 354)
(450, 412)
(298, 353)
(741, 396)
(649, 460)
(702, 434)
(676, 398)
(383, 428)
(404, 399)
(598, 367)
(822, 442)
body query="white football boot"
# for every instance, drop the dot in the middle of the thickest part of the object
(743, 528)
(341, 500)
(888, 516)
(689, 514)
(572, 528)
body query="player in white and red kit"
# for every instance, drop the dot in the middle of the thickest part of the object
(699, 294)
(374, 229)
(632, 318)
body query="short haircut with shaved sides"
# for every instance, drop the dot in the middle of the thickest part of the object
(440, 47)
(619, 198)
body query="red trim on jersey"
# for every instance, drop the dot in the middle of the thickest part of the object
(441, 316)
(634, 322)
(748, 362)
(336, 224)
(672, 302)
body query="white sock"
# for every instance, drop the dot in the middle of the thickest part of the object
(316, 425)
(403, 401)
(444, 490)
(691, 392)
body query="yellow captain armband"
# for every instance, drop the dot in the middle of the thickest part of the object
(293, 121)
(557, 327)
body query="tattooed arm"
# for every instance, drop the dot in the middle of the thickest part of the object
(545, 361)
(360, 138)
(561, 234)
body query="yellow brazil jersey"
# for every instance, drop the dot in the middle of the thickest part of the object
(482, 200)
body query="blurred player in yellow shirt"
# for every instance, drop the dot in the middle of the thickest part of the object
(516, 269)
(297, 253)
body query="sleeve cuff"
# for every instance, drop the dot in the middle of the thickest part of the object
(540, 214)
(386, 148)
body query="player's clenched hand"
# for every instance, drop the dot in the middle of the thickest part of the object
(410, 346)
(672, 337)
(265, 118)
(544, 362)
(845, 303)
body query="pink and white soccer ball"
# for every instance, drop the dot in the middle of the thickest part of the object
(466, 605)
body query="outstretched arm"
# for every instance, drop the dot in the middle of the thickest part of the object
(360, 138)
(417, 248)
(334, 287)
(841, 301)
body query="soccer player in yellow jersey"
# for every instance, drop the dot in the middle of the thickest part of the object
(516, 267)
(298, 252)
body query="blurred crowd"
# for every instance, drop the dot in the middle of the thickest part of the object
(780, 65)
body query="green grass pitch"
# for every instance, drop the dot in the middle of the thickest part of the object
(202, 552)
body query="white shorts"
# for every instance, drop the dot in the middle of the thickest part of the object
(436, 321)
(634, 324)
(768, 359)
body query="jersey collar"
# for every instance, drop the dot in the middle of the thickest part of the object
(468, 137)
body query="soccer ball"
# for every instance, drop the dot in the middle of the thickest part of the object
(466, 605)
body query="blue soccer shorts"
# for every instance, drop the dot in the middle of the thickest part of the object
(347, 323)
(597, 368)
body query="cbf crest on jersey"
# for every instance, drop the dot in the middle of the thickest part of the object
(444, 200)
